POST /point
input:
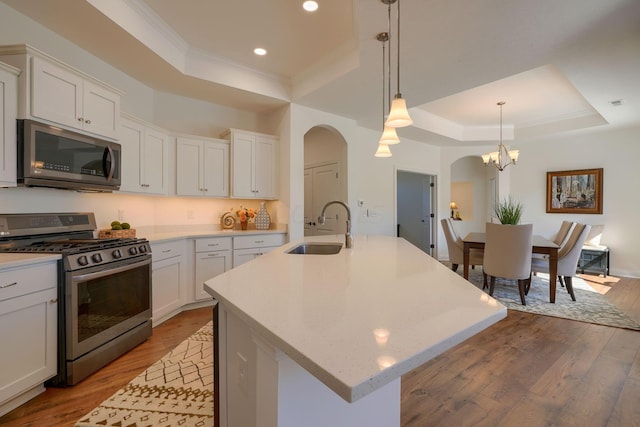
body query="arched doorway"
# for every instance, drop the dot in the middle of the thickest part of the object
(325, 179)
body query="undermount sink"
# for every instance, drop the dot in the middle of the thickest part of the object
(316, 248)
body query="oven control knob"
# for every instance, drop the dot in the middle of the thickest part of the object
(83, 260)
(133, 251)
(117, 254)
(143, 249)
(96, 258)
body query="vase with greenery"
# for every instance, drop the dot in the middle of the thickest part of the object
(509, 211)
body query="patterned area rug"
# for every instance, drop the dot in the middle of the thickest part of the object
(177, 390)
(590, 306)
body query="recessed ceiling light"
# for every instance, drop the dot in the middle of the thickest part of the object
(310, 5)
(260, 51)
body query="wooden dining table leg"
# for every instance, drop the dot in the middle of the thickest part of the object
(465, 259)
(553, 273)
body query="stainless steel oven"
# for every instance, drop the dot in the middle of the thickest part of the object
(104, 288)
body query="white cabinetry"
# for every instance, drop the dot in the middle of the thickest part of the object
(253, 164)
(168, 278)
(145, 153)
(58, 93)
(28, 331)
(246, 248)
(8, 114)
(213, 257)
(202, 167)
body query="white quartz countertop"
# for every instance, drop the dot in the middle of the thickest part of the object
(358, 319)
(166, 233)
(8, 260)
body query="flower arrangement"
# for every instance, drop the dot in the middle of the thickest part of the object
(245, 214)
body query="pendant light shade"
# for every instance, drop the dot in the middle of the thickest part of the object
(383, 151)
(399, 115)
(389, 136)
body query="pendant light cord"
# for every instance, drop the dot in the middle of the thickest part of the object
(398, 82)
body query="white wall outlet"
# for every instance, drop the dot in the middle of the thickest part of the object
(120, 214)
(242, 373)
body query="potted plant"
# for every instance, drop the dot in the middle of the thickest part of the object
(509, 211)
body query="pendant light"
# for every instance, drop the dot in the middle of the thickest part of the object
(398, 115)
(503, 157)
(389, 135)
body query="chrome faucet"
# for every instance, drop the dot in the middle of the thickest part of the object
(348, 240)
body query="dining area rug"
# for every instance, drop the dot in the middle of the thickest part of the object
(590, 306)
(177, 390)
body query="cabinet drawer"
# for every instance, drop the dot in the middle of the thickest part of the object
(160, 251)
(258, 241)
(26, 280)
(213, 244)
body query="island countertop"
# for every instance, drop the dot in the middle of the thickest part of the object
(361, 318)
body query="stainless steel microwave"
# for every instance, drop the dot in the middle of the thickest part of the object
(49, 156)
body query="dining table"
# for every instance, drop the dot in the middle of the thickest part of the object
(541, 245)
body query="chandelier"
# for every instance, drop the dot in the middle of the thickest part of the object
(503, 157)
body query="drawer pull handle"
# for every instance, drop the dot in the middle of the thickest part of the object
(53, 301)
(9, 285)
(166, 251)
(258, 241)
(213, 244)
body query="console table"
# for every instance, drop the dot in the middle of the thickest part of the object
(594, 259)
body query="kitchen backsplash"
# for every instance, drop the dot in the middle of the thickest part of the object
(135, 209)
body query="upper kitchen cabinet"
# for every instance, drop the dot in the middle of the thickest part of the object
(8, 114)
(54, 92)
(253, 164)
(202, 167)
(145, 154)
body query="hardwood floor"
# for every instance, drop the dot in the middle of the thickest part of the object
(530, 370)
(526, 370)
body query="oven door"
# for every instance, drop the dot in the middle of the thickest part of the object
(103, 303)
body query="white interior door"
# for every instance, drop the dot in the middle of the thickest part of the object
(322, 185)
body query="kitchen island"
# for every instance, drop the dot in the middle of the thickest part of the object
(320, 340)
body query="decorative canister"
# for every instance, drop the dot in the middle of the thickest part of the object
(263, 220)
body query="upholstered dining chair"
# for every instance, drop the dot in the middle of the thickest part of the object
(568, 256)
(456, 247)
(563, 232)
(507, 254)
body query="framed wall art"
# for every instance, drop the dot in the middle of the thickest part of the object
(577, 191)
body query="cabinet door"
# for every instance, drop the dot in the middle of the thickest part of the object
(8, 115)
(131, 140)
(56, 94)
(216, 169)
(241, 256)
(242, 167)
(167, 292)
(28, 332)
(209, 265)
(100, 110)
(155, 161)
(264, 167)
(189, 167)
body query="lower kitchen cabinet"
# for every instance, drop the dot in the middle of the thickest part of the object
(212, 257)
(168, 278)
(28, 331)
(246, 248)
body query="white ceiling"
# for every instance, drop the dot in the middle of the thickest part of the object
(556, 64)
